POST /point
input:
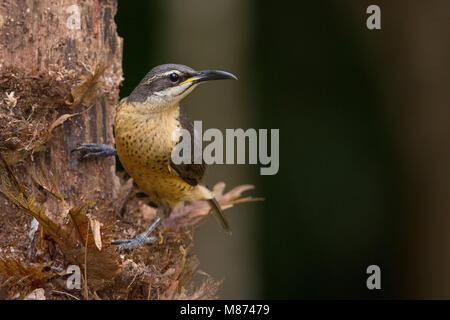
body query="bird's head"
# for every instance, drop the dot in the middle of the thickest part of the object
(165, 85)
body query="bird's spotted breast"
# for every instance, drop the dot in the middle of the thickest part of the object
(144, 142)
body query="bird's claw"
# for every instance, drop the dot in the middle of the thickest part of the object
(139, 241)
(91, 150)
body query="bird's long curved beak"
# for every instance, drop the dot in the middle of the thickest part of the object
(207, 75)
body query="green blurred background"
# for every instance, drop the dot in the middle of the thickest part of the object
(364, 139)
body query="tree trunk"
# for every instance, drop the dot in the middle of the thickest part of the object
(60, 74)
(41, 38)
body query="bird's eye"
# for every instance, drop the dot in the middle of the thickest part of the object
(174, 77)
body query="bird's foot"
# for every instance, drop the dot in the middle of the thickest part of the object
(140, 240)
(91, 150)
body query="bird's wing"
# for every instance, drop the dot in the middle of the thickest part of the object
(190, 173)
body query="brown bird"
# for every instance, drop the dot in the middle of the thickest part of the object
(147, 127)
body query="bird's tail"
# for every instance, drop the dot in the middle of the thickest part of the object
(219, 215)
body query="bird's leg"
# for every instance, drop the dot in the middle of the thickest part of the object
(143, 238)
(91, 150)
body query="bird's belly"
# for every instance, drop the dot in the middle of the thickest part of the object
(163, 187)
(145, 156)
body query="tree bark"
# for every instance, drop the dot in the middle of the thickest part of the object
(38, 38)
(60, 70)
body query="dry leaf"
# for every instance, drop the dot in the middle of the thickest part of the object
(17, 273)
(185, 215)
(84, 93)
(95, 227)
(10, 99)
(38, 294)
(27, 205)
(60, 121)
(47, 181)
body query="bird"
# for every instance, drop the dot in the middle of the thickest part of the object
(147, 129)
